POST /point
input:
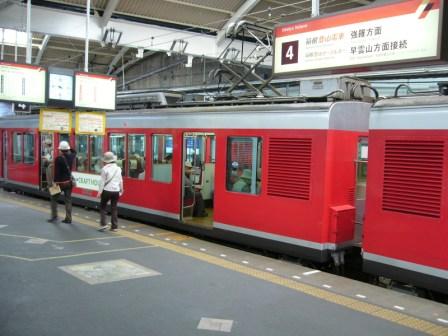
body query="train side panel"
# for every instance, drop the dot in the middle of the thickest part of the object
(23, 166)
(406, 228)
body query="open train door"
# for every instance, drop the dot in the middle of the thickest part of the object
(46, 156)
(360, 194)
(198, 178)
(4, 155)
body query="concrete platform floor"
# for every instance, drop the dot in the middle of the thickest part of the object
(73, 280)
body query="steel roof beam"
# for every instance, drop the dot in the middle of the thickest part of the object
(135, 35)
(111, 6)
(116, 59)
(42, 48)
(239, 14)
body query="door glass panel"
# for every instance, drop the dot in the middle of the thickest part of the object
(28, 148)
(136, 154)
(117, 145)
(17, 147)
(96, 152)
(82, 155)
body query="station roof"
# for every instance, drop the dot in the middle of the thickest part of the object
(58, 26)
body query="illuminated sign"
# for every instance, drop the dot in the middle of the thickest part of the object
(91, 123)
(22, 83)
(403, 31)
(54, 120)
(95, 91)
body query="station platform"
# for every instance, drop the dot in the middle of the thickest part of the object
(71, 280)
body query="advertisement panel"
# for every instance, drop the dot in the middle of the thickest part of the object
(55, 120)
(396, 32)
(90, 123)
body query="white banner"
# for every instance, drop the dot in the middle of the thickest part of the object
(87, 181)
(403, 31)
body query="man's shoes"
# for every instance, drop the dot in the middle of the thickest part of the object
(103, 228)
(67, 221)
(52, 220)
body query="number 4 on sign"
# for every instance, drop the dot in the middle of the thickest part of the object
(290, 52)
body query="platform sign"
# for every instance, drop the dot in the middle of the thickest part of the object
(90, 123)
(94, 91)
(22, 83)
(385, 34)
(55, 120)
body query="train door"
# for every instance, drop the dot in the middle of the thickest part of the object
(5, 155)
(198, 179)
(361, 179)
(46, 156)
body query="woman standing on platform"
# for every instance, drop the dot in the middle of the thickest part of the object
(60, 173)
(110, 189)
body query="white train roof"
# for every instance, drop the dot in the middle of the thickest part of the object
(352, 116)
(410, 113)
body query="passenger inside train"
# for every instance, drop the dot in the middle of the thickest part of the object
(193, 193)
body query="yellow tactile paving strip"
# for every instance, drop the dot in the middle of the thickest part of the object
(353, 304)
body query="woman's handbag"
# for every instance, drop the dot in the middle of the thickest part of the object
(54, 190)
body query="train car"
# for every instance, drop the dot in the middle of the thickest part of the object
(281, 177)
(406, 217)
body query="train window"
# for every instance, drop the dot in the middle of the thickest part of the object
(17, 147)
(117, 145)
(82, 153)
(212, 149)
(136, 155)
(244, 165)
(28, 148)
(162, 154)
(64, 137)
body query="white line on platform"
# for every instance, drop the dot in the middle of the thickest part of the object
(311, 272)
(296, 277)
(361, 296)
(245, 262)
(203, 249)
(269, 269)
(223, 255)
(399, 307)
(326, 286)
(442, 320)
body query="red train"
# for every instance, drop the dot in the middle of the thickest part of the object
(290, 177)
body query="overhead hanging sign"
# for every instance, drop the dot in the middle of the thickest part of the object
(95, 91)
(396, 32)
(91, 123)
(22, 83)
(54, 120)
